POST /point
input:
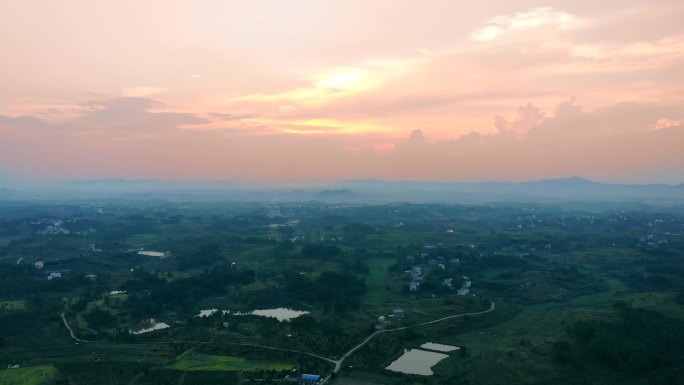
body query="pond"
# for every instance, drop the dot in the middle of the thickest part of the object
(281, 313)
(416, 361)
(210, 312)
(152, 253)
(207, 313)
(147, 326)
(439, 347)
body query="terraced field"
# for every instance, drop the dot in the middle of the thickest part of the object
(193, 361)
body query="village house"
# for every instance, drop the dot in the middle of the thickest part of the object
(52, 276)
(383, 323)
(310, 379)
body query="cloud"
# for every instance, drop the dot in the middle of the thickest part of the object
(24, 123)
(534, 18)
(363, 87)
(136, 92)
(134, 115)
(541, 55)
(230, 117)
(611, 143)
(529, 117)
(122, 115)
(667, 123)
(417, 137)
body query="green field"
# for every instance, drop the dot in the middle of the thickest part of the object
(13, 305)
(194, 361)
(376, 280)
(35, 375)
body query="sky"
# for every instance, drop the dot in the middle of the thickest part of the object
(314, 90)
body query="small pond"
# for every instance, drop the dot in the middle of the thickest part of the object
(147, 326)
(439, 347)
(416, 361)
(281, 313)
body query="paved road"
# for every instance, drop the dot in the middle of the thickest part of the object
(71, 332)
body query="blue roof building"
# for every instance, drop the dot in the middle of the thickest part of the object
(310, 378)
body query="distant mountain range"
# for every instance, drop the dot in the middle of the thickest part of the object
(566, 189)
(355, 191)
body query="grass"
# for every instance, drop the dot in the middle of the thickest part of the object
(13, 305)
(34, 375)
(193, 361)
(143, 240)
(658, 301)
(520, 347)
(376, 280)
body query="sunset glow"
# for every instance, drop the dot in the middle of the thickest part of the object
(439, 90)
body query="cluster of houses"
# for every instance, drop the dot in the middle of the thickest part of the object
(56, 273)
(385, 321)
(53, 230)
(465, 286)
(304, 379)
(56, 227)
(297, 238)
(417, 273)
(51, 274)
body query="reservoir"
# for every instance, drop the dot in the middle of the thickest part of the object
(416, 361)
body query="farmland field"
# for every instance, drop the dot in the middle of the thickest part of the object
(34, 375)
(193, 361)
(376, 280)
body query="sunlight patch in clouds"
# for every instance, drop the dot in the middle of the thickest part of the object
(666, 123)
(329, 84)
(330, 126)
(519, 21)
(345, 79)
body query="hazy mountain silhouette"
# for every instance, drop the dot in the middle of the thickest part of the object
(355, 191)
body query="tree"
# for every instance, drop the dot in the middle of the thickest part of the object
(98, 318)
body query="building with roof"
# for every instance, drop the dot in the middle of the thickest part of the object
(310, 379)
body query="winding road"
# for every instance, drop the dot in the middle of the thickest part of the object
(338, 363)
(71, 332)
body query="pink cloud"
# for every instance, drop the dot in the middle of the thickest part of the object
(666, 123)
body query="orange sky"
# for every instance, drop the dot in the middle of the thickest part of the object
(327, 90)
